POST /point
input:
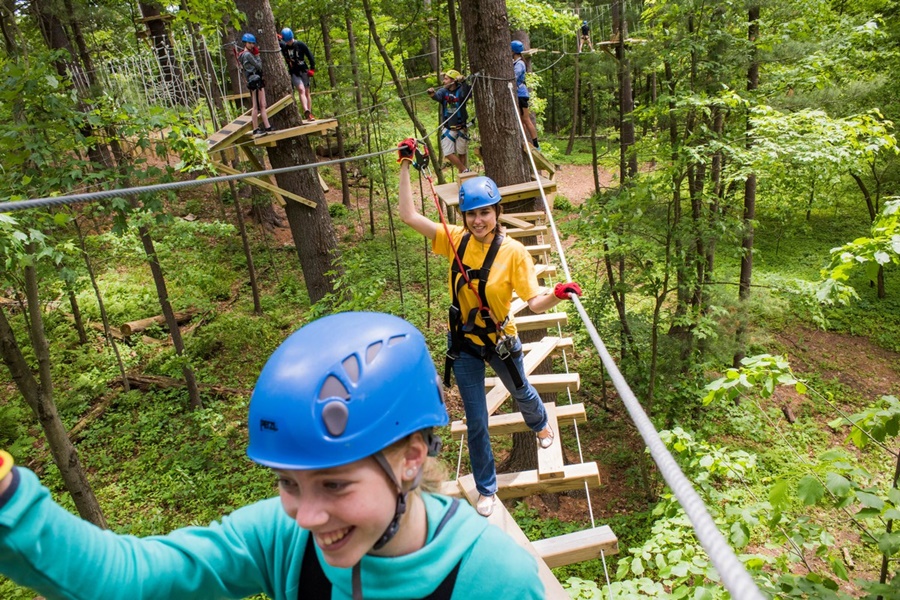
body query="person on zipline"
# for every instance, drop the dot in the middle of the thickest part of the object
(301, 65)
(585, 37)
(252, 65)
(454, 118)
(482, 330)
(343, 413)
(519, 69)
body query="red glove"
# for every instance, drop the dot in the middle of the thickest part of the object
(562, 290)
(406, 150)
(254, 50)
(311, 72)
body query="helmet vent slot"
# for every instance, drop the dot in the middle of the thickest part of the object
(372, 351)
(333, 388)
(396, 340)
(351, 367)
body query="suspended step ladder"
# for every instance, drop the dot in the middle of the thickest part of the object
(552, 474)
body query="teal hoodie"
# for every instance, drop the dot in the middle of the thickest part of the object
(256, 549)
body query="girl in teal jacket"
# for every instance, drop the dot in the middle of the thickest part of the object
(343, 413)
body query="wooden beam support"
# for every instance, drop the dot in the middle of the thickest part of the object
(279, 193)
(578, 546)
(551, 464)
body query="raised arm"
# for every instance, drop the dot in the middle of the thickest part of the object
(408, 212)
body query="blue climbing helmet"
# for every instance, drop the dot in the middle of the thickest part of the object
(248, 37)
(478, 192)
(517, 47)
(343, 388)
(286, 34)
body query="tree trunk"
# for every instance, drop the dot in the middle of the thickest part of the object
(627, 156)
(354, 68)
(576, 93)
(166, 306)
(311, 228)
(407, 104)
(86, 61)
(170, 73)
(454, 35)
(245, 242)
(749, 196)
(39, 397)
(486, 27)
(102, 305)
(332, 79)
(9, 28)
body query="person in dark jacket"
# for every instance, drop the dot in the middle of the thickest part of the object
(454, 118)
(301, 65)
(252, 65)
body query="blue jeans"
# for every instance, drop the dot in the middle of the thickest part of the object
(469, 371)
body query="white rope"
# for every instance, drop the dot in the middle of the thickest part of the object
(734, 576)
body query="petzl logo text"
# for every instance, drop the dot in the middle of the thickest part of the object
(268, 425)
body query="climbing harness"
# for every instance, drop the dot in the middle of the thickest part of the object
(462, 275)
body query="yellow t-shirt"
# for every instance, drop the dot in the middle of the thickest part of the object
(512, 270)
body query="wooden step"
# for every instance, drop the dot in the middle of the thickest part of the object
(501, 518)
(509, 423)
(562, 344)
(499, 394)
(526, 483)
(531, 216)
(515, 222)
(578, 546)
(520, 232)
(306, 128)
(548, 383)
(539, 250)
(551, 464)
(544, 271)
(542, 321)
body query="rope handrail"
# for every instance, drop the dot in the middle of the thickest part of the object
(734, 575)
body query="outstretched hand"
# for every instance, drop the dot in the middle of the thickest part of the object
(406, 150)
(562, 290)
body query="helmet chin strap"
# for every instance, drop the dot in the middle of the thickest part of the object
(394, 525)
(434, 448)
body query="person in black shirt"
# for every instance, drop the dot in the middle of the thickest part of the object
(301, 65)
(454, 118)
(585, 37)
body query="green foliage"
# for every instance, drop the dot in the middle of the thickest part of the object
(763, 372)
(871, 253)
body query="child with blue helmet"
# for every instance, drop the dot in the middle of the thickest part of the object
(301, 66)
(251, 62)
(519, 69)
(482, 330)
(343, 413)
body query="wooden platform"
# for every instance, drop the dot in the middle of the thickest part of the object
(308, 127)
(449, 192)
(240, 127)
